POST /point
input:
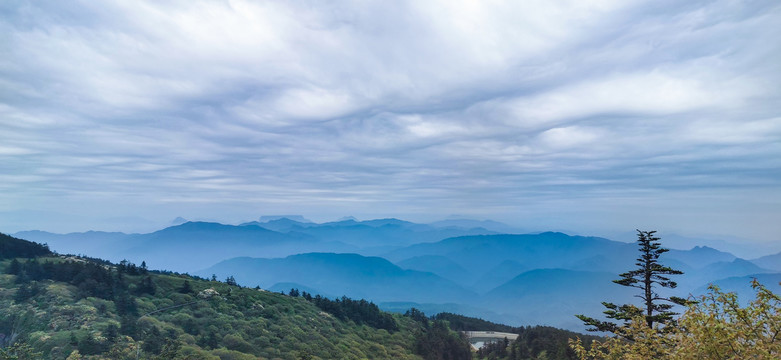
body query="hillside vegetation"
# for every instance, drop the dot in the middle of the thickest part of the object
(11, 247)
(62, 307)
(533, 342)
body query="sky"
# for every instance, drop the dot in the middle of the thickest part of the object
(584, 116)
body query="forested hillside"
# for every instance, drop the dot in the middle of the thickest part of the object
(11, 247)
(62, 307)
(533, 342)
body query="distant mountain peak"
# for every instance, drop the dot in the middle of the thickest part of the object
(466, 223)
(386, 222)
(178, 221)
(555, 233)
(195, 225)
(296, 218)
(348, 218)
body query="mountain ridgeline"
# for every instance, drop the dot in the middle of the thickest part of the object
(200, 244)
(515, 279)
(349, 274)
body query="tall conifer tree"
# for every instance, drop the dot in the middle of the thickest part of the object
(648, 275)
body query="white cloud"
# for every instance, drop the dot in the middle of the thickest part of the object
(562, 138)
(645, 94)
(406, 106)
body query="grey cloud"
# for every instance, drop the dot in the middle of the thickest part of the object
(413, 108)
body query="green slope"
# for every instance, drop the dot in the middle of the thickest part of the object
(59, 305)
(11, 247)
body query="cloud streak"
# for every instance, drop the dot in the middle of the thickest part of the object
(227, 109)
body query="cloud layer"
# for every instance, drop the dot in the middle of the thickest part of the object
(573, 114)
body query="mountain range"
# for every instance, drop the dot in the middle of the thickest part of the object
(462, 266)
(345, 274)
(192, 246)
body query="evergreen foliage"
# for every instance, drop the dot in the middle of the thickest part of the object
(648, 275)
(466, 323)
(19, 352)
(11, 247)
(146, 286)
(186, 288)
(91, 279)
(418, 316)
(359, 311)
(533, 342)
(494, 350)
(72, 307)
(439, 342)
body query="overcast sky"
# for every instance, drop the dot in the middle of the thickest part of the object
(587, 116)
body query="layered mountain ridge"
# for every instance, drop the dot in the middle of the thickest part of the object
(537, 278)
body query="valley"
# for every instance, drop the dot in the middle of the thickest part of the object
(517, 279)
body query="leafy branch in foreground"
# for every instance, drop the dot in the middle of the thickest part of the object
(716, 327)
